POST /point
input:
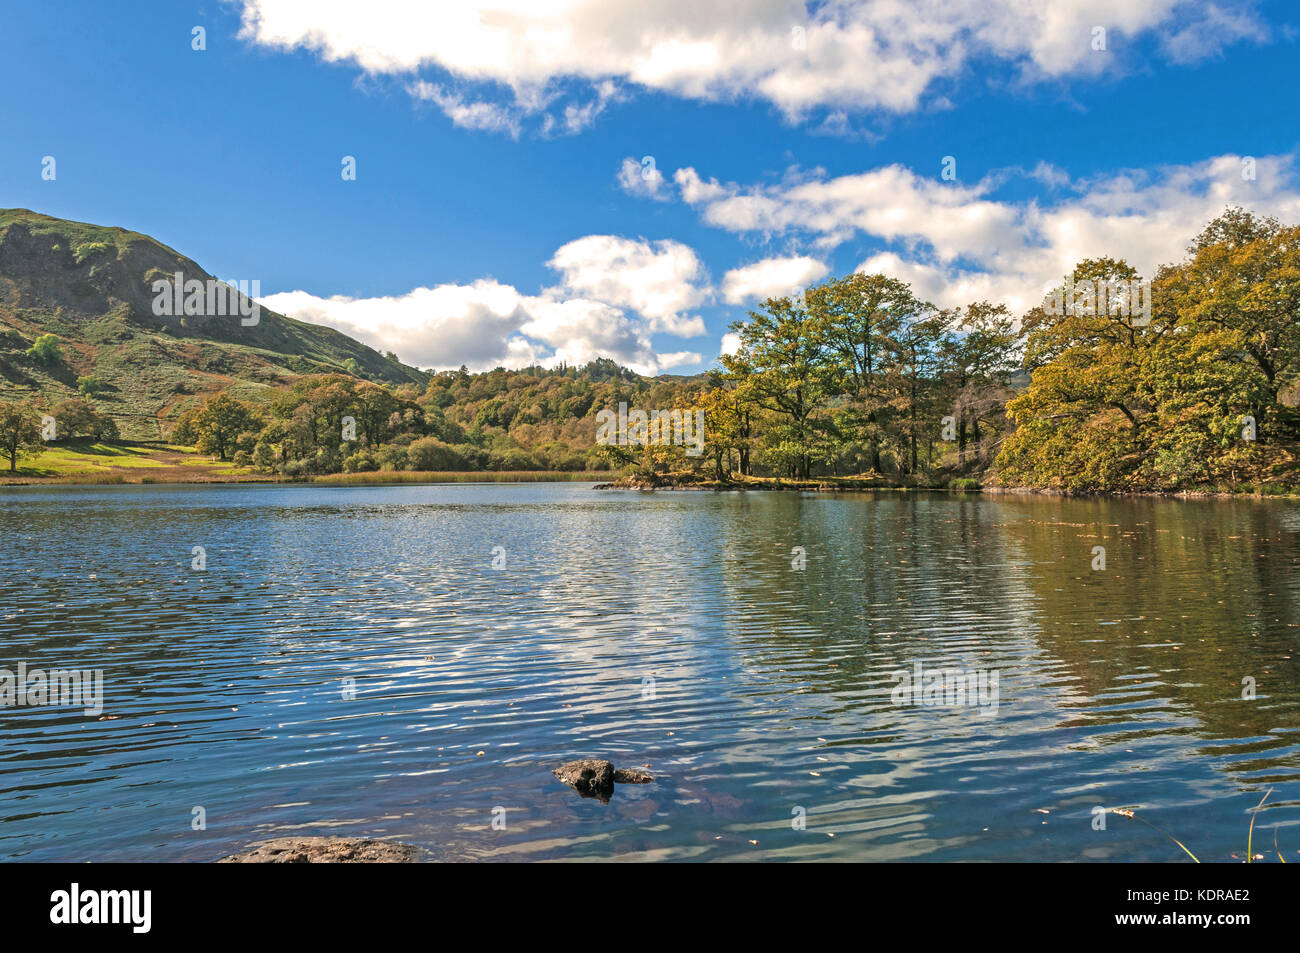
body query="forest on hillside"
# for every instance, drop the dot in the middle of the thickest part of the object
(858, 376)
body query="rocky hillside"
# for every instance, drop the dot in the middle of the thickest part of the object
(92, 287)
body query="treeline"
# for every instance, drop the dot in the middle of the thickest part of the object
(858, 376)
(1197, 388)
(1203, 396)
(530, 419)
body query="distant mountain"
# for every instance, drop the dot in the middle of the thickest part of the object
(94, 288)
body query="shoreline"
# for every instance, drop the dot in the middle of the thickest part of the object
(848, 485)
(470, 477)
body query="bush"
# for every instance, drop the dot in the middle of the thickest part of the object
(392, 458)
(46, 349)
(264, 455)
(430, 453)
(360, 462)
(90, 386)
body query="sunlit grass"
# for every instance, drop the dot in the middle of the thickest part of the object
(100, 462)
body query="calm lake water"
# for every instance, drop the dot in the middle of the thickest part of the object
(228, 688)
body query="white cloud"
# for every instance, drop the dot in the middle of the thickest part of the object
(487, 324)
(642, 178)
(694, 189)
(840, 55)
(957, 243)
(469, 114)
(770, 278)
(658, 280)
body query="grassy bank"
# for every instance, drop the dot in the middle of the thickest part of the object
(121, 463)
(112, 463)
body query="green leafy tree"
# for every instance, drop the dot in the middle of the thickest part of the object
(783, 355)
(46, 349)
(216, 426)
(856, 319)
(20, 432)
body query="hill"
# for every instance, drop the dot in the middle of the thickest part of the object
(92, 287)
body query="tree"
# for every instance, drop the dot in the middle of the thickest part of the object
(46, 349)
(20, 432)
(784, 358)
(90, 385)
(916, 361)
(1243, 278)
(857, 317)
(1081, 423)
(978, 356)
(215, 427)
(77, 418)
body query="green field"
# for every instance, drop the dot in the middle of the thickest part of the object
(119, 463)
(88, 462)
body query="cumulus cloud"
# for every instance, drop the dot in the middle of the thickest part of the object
(659, 280)
(770, 278)
(832, 56)
(489, 324)
(957, 243)
(694, 189)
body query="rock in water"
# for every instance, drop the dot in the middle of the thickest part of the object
(593, 777)
(590, 778)
(323, 850)
(632, 776)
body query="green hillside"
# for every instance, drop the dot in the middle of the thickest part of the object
(91, 286)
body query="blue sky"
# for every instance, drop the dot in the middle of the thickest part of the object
(502, 211)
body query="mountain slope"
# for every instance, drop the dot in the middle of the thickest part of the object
(92, 287)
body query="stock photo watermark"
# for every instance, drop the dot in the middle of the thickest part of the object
(57, 687)
(654, 428)
(175, 296)
(1127, 299)
(929, 687)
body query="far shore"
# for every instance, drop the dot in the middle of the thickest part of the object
(125, 463)
(858, 484)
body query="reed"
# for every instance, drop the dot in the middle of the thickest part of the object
(459, 476)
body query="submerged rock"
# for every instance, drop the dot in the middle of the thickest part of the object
(594, 777)
(590, 777)
(632, 776)
(323, 850)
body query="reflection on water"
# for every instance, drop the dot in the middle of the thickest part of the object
(665, 629)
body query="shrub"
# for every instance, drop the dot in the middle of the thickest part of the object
(46, 349)
(360, 462)
(430, 453)
(392, 458)
(89, 385)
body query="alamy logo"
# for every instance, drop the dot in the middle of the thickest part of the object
(1127, 299)
(70, 687)
(946, 688)
(73, 906)
(175, 296)
(655, 428)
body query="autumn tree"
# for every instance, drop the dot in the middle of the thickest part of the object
(20, 432)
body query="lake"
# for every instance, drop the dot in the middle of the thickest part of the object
(350, 661)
